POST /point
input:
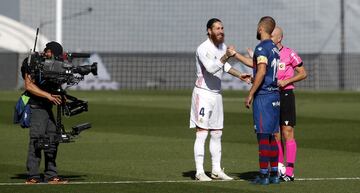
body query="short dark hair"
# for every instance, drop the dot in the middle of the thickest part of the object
(55, 48)
(211, 22)
(268, 23)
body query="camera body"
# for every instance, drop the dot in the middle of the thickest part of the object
(59, 70)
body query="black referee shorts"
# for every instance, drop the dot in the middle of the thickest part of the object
(287, 108)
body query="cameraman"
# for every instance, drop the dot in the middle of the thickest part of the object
(43, 132)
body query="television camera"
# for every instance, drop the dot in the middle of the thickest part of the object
(60, 70)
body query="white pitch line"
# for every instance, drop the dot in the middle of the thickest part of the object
(325, 179)
(174, 181)
(113, 182)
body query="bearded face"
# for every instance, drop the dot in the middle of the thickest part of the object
(216, 33)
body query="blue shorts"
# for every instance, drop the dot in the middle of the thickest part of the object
(266, 113)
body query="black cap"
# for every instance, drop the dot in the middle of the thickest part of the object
(55, 48)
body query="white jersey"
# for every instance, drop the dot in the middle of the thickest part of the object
(209, 69)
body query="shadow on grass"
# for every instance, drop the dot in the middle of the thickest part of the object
(24, 176)
(191, 174)
(247, 176)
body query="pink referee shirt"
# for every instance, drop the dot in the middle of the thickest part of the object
(289, 60)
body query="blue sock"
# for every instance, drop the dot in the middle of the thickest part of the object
(264, 171)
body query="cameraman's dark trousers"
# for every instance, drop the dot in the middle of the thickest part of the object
(43, 136)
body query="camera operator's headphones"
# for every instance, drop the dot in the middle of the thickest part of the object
(55, 48)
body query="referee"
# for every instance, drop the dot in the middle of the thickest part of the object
(290, 63)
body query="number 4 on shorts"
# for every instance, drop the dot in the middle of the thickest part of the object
(202, 112)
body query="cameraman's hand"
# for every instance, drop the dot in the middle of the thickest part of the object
(55, 99)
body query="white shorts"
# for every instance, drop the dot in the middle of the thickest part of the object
(206, 110)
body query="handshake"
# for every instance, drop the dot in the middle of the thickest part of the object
(231, 52)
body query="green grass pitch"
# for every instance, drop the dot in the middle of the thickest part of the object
(139, 136)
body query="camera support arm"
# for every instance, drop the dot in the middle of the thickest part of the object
(69, 108)
(59, 126)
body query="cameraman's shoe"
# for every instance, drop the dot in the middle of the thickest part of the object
(32, 181)
(57, 180)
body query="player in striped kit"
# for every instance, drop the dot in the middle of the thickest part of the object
(289, 63)
(206, 105)
(265, 99)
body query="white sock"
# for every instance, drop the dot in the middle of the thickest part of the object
(199, 150)
(215, 149)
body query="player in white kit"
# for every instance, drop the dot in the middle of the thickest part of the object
(206, 105)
